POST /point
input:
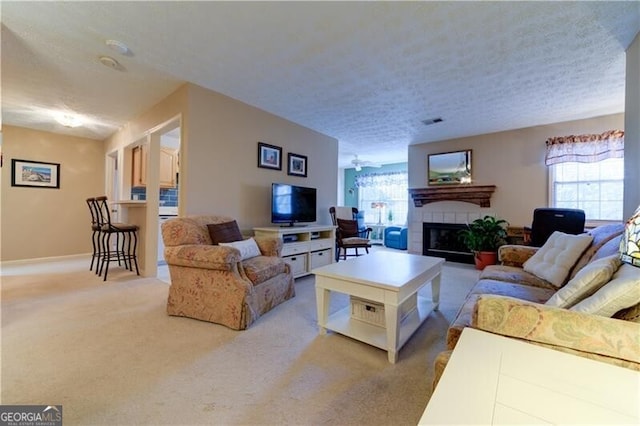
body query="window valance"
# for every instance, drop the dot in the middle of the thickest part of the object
(381, 179)
(585, 148)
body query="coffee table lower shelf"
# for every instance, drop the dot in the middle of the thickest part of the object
(342, 322)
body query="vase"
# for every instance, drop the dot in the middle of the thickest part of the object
(485, 258)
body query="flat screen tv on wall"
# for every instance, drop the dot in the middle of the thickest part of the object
(291, 204)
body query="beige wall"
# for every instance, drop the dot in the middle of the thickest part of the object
(218, 158)
(170, 107)
(39, 222)
(632, 130)
(221, 174)
(512, 160)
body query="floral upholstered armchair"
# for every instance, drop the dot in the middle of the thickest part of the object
(219, 283)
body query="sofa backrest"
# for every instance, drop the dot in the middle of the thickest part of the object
(190, 230)
(601, 245)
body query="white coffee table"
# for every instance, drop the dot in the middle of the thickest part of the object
(496, 380)
(388, 278)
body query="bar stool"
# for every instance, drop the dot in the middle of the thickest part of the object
(95, 233)
(126, 234)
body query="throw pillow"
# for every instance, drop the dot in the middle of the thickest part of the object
(553, 261)
(248, 248)
(620, 293)
(226, 232)
(348, 228)
(586, 282)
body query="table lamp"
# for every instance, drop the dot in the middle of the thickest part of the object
(378, 205)
(630, 243)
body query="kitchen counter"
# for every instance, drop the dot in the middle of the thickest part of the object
(130, 203)
(168, 211)
(134, 212)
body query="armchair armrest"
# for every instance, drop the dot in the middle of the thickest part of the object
(365, 232)
(203, 256)
(270, 246)
(597, 337)
(515, 255)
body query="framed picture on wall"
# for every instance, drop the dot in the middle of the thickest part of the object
(35, 174)
(269, 156)
(297, 165)
(449, 168)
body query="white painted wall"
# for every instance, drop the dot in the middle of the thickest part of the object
(632, 130)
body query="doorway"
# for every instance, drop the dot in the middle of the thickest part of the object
(169, 190)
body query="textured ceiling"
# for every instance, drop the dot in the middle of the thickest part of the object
(366, 73)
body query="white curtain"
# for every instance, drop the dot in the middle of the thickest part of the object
(382, 179)
(585, 148)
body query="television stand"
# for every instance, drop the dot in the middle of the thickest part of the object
(305, 247)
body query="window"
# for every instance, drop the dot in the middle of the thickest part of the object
(596, 188)
(389, 191)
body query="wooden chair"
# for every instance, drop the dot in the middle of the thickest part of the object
(348, 236)
(363, 233)
(352, 214)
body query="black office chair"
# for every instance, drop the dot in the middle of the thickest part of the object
(548, 220)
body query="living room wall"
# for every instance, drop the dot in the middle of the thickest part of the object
(351, 193)
(632, 130)
(45, 222)
(221, 173)
(218, 158)
(511, 160)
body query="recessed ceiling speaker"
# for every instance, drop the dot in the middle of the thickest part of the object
(108, 61)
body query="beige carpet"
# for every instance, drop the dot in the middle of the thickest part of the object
(110, 355)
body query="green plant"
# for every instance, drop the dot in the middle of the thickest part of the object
(485, 234)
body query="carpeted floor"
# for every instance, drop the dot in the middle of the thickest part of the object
(110, 355)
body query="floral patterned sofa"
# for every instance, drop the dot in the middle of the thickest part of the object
(509, 301)
(211, 282)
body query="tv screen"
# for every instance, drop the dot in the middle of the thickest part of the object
(292, 204)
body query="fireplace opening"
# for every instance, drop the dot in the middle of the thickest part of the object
(441, 240)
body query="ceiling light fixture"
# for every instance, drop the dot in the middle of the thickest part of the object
(118, 46)
(108, 61)
(69, 120)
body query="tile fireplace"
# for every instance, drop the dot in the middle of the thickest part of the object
(441, 240)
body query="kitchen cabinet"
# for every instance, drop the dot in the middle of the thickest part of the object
(139, 163)
(168, 166)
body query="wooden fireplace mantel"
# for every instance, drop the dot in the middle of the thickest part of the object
(476, 194)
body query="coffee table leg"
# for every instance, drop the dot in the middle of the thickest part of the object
(435, 291)
(392, 322)
(322, 306)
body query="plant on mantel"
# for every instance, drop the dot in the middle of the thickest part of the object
(483, 237)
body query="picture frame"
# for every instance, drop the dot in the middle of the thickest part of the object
(35, 174)
(269, 156)
(296, 165)
(449, 168)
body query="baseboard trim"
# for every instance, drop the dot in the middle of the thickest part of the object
(44, 259)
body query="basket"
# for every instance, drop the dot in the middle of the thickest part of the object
(373, 312)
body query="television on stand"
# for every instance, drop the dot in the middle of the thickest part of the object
(292, 204)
